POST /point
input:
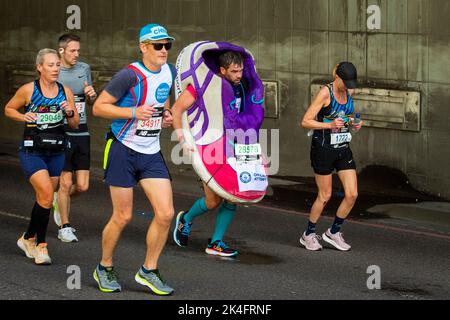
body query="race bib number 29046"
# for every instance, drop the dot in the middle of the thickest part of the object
(49, 118)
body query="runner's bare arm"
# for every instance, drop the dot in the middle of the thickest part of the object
(183, 103)
(75, 120)
(18, 101)
(167, 115)
(309, 119)
(104, 107)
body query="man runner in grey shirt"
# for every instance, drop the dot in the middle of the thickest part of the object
(77, 76)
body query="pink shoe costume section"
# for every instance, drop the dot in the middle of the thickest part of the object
(214, 116)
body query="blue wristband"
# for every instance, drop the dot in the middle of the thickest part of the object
(133, 112)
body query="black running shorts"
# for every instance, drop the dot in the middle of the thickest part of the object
(78, 154)
(326, 159)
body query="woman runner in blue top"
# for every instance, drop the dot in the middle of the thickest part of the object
(328, 116)
(46, 103)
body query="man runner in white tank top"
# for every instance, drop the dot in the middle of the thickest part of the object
(137, 100)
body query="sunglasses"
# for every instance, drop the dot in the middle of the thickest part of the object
(159, 46)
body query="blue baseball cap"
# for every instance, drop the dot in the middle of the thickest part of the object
(154, 32)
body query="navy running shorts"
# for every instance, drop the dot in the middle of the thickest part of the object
(78, 154)
(33, 162)
(326, 159)
(126, 167)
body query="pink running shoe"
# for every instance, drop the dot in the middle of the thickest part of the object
(311, 242)
(336, 240)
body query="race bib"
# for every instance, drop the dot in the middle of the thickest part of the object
(339, 138)
(80, 104)
(149, 128)
(49, 118)
(247, 150)
(252, 177)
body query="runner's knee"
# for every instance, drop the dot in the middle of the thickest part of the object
(83, 187)
(45, 198)
(65, 185)
(351, 196)
(165, 217)
(325, 196)
(121, 218)
(213, 202)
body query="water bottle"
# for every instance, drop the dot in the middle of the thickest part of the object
(356, 121)
(341, 115)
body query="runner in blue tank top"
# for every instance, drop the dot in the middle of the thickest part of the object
(47, 103)
(328, 116)
(137, 100)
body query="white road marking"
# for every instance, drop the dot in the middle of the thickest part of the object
(6, 214)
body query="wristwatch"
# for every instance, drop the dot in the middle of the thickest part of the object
(70, 114)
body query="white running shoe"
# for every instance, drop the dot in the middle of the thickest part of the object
(27, 246)
(56, 215)
(311, 242)
(336, 240)
(67, 235)
(40, 254)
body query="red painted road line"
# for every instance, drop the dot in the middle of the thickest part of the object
(373, 225)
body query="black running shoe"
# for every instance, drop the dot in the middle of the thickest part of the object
(182, 230)
(219, 248)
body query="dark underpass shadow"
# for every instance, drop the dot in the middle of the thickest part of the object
(377, 185)
(247, 256)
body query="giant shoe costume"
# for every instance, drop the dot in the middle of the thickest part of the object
(230, 163)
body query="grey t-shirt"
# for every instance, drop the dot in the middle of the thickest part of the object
(75, 78)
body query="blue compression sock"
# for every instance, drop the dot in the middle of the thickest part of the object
(196, 210)
(226, 214)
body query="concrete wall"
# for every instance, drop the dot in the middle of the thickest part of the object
(295, 42)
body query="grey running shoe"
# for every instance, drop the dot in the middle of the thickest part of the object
(107, 280)
(153, 281)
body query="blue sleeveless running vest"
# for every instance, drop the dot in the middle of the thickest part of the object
(47, 132)
(328, 114)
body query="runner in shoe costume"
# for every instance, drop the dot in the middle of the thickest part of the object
(217, 118)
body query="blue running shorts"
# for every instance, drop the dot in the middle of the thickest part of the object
(33, 162)
(126, 167)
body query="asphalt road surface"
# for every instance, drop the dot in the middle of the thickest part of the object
(413, 260)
